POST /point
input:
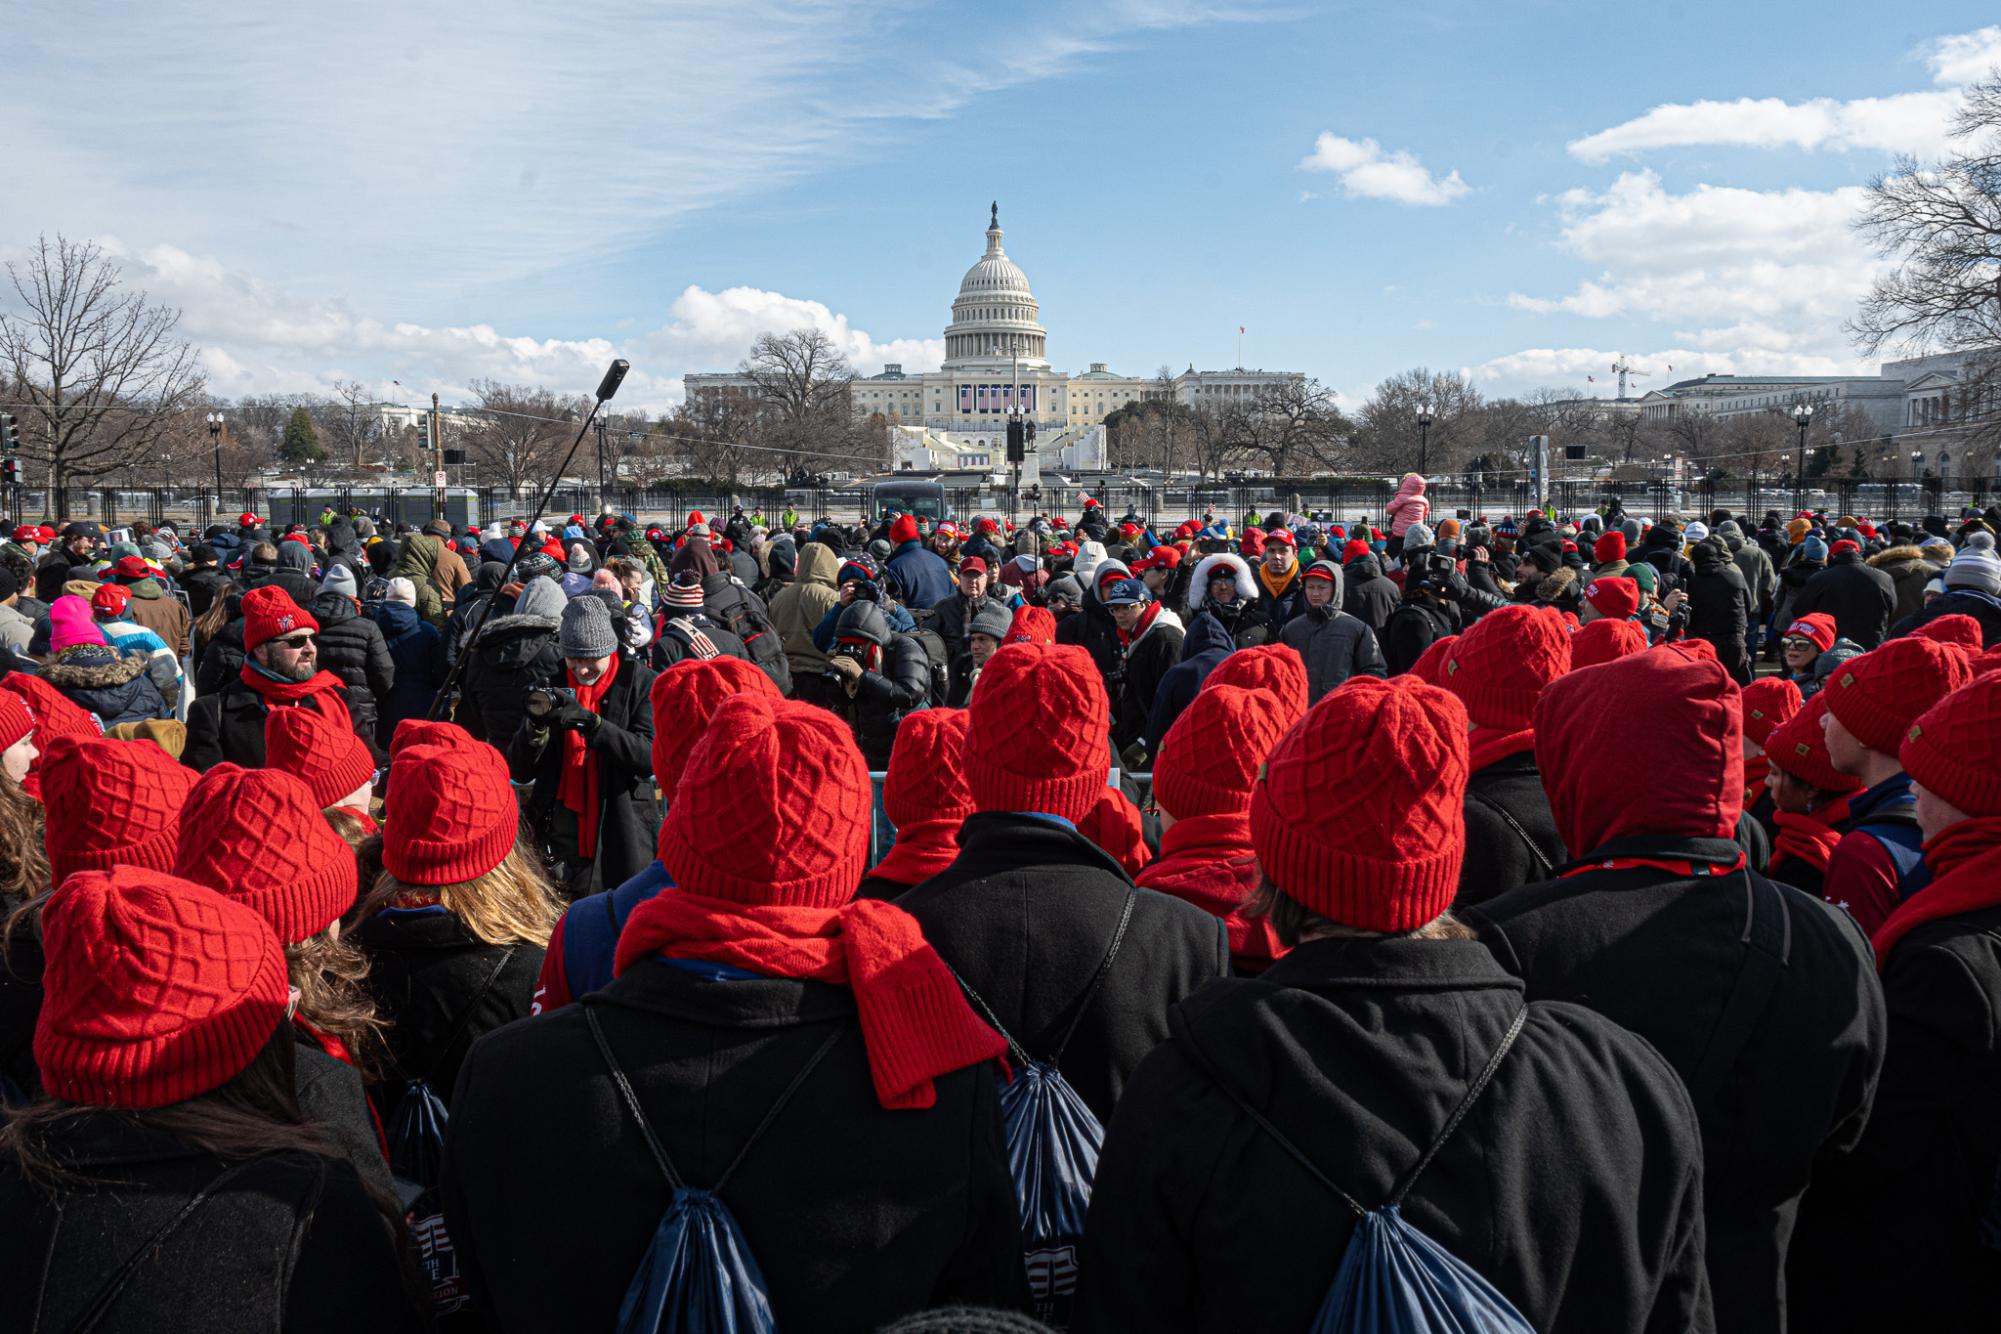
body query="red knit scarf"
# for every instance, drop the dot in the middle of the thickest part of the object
(1809, 838)
(1489, 745)
(577, 788)
(1147, 616)
(321, 691)
(368, 824)
(1756, 768)
(915, 1020)
(923, 848)
(1207, 860)
(1966, 876)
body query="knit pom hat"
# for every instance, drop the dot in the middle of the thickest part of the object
(1799, 746)
(268, 612)
(328, 758)
(450, 815)
(111, 802)
(1605, 640)
(1611, 547)
(257, 836)
(1950, 749)
(1768, 701)
(685, 697)
(1498, 667)
(1277, 668)
(1032, 625)
(1036, 736)
(1430, 665)
(1612, 596)
(926, 778)
(1878, 695)
(1211, 755)
(1957, 629)
(15, 720)
(745, 834)
(1382, 855)
(1356, 547)
(1817, 626)
(71, 623)
(155, 990)
(904, 529)
(1976, 566)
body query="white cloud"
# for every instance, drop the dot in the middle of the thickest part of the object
(1367, 172)
(1898, 123)
(1533, 368)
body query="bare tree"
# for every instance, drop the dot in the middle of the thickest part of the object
(803, 392)
(710, 437)
(1388, 435)
(349, 423)
(520, 433)
(99, 372)
(1292, 425)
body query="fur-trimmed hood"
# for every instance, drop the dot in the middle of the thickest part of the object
(1198, 587)
(1556, 585)
(1898, 555)
(84, 668)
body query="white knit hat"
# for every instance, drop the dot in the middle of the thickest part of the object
(1976, 566)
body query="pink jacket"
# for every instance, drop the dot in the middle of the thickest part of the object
(1408, 506)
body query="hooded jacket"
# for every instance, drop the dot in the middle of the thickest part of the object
(1092, 628)
(1333, 644)
(1144, 664)
(418, 652)
(1368, 596)
(901, 683)
(1982, 607)
(418, 562)
(799, 606)
(511, 653)
(99, 681)
(1203, 644)
(1245, 618)
(1659, 950)
(1760, 576)
(1720, 609)
(1408, 506)
(1909, 572)
(1859, 597)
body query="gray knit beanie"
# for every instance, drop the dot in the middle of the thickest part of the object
(587, 631)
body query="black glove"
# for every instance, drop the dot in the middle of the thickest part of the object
(1452, 585)
(570, 716)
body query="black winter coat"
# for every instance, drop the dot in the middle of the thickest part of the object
(1890, 1237)
(854, 1214)
(1659, 954)
(1416, 626)
(901, 684)
(1092, 628)
(1574, 1184)
(201, 586)
(290, 1243)
(1143, 665)
(1203, 644)
(221, 658)
(418, 651)
(1961, 602)
(629, 819)
(1368, 596)
(1860, 598)
(352, 648)
(1720, 608)
(513, 653)
(230, 726)
(675, 642)
(1504, 803)
(1025, 915)
(440, 988)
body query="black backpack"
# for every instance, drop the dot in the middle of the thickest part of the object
(1053, 1141)
(738, 616)
(698, 1273)
(933, 643)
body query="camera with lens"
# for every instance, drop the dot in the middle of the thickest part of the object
(1440, 563)
(865, 591)
(545, 700)
(852, 652)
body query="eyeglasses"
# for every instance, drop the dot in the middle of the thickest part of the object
(1797, 641)
(294, 641)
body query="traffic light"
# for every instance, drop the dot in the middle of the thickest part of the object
(1015, 450)
(11, 470)
(10, 433)
(424, 431)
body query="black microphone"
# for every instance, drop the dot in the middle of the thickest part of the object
(612, 379)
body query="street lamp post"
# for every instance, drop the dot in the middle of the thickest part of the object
(215, 427)
(1917, 487)
(1802, 417)
(1424, 420)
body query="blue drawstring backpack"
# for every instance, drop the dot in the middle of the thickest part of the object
(1053, 1141)
(1393, 1279)
(698, 1275)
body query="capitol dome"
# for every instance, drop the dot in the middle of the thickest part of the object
(994, 318)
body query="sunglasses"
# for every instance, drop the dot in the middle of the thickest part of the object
(294, 641)
(1797, 641)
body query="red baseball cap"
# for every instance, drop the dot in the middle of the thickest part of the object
(1282, 536)
(27, 533)
(973, 565)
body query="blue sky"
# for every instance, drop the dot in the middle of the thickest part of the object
(431, 193)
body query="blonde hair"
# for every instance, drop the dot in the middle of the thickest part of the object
(330, 974)
(24, 864)
(513, 904)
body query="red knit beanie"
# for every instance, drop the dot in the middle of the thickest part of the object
(1958, 628)
(926, 778)
(54, 714)
(1880, 694)
(785, 818)
(1382, 855)
(1990, 661)
(1500, 666)
(685, 697)
(1211, 755)
(1430, 665)
(155, 990)
(1113, 826)
(1356, 547)
(1035, 739)
(1613, 596)
(450, 815)
(15, 720)
(1817, 626)
(1799, 746)
(1605, 640)
(424, 732)
(1950, 750)
(1277, 668)
(268, 611)
(904, 529)
(111, 802)
(328, 758)
(1031, 625)
(257, 836)
(1768, 701)
(1611, 547)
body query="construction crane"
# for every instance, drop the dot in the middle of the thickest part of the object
(1622, 368)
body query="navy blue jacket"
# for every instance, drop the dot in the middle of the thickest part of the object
(924, 577)
(1205, 644)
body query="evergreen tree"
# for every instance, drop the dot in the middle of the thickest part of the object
(301, 443)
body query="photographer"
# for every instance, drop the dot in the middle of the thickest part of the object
(585, 742)
(875, 676)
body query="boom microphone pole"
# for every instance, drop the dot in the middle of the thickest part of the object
(614, 376)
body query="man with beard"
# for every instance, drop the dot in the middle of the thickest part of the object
(281, 669)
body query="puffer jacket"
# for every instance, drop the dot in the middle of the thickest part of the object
(513, 652)
(798, 607)
(419, 654)
(1367, 595)
(1204, 644)
(1245, 619)
(1408, 506)
(1720, 608)
(418, 562)
(901, 685)
(1334, 645)
(1909, 572)
(98, 681)
(352, 648)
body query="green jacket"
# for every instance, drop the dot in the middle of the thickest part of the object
(418, 562)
